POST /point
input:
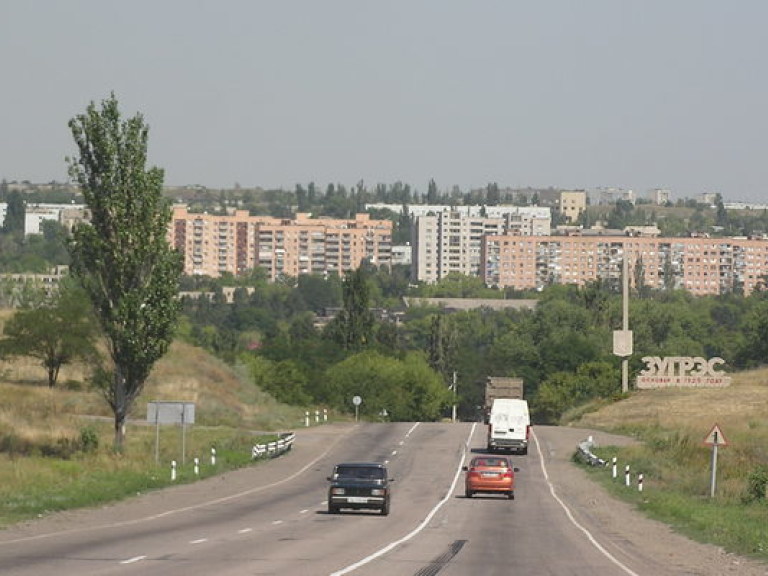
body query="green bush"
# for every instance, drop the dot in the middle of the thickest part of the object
(74, 385)
(757, 483)
(89, 439)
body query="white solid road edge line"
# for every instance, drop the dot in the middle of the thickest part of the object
(586, 532)
(424, 522)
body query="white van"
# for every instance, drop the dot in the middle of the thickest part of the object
(509, 426)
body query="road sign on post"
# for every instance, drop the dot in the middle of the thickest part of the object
(356, 400)
(715, 438)
(171, 413)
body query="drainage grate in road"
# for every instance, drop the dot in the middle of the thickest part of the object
(439, 563)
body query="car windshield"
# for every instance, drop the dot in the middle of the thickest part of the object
(360, 472)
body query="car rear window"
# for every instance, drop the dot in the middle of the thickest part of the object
(499, 462)
(361, 472)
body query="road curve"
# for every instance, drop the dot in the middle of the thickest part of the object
(271, 519)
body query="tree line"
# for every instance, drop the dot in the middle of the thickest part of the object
(562, 348)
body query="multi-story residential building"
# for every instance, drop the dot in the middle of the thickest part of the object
(35, 214)
(659, 196)
(707, 198)
(609, 195)
(450, 239)
(572, 204)
(699, 265)
(402, 255)
(238, 242)
(526, 214)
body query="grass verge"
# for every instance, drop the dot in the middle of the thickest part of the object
(33, 486)
(676, 491)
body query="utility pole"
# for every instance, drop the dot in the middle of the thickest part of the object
(625, 322)
(622, 339)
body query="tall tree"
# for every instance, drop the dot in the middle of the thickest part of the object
(433, 196)
(122, 258)
(353, 325)
(492, 194)
(15, 215)
(441, 349)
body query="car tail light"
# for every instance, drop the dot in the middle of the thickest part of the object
(508, 473)
(528, 431)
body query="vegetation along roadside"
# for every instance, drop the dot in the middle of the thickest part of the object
(55, 444)
(676, 463)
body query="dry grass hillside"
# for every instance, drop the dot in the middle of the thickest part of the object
(222, 396)
(740, 408)
(673, 424)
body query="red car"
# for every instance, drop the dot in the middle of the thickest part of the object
(490, 474)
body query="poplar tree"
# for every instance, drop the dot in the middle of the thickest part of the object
(122, 257)
(15, 215)
(353, 326)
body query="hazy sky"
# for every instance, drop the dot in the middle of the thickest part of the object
(571, 94)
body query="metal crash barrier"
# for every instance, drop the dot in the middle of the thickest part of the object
(275, 448)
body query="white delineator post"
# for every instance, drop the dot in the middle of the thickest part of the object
(626, 475)
(213, 456)
(615, 471)
(197, 466)
(173, 470)
(306, 418)
(640, 483)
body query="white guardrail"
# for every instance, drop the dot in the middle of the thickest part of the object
(275, 448)
(586, 455)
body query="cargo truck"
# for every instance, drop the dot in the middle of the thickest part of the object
(500, 387)
(506, 414)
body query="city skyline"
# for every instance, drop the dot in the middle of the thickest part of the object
(587, 95)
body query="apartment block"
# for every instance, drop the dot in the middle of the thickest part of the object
(36, 214)
(447, 240)
(659, 196)
(699, 265)
(572, 204)
(236, 243)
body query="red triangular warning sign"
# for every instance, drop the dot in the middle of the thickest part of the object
(715, 437)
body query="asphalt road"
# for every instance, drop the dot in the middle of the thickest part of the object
(271, 519)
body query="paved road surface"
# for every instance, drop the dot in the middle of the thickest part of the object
(271, 519)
